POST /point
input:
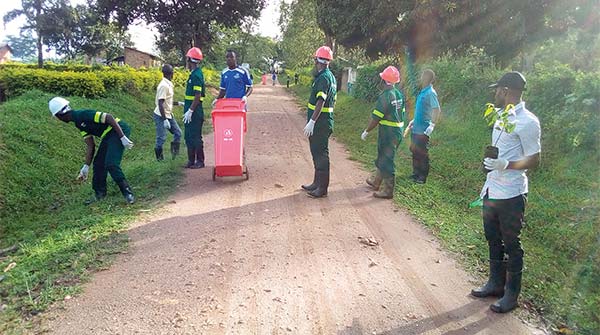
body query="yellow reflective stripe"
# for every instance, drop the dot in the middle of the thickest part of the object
(198, 88)
(322, 94)
(191, 97)
(323, 110)
(109, 128)
(84, 133)
(97, 117)
(378, 113)
(391, 124)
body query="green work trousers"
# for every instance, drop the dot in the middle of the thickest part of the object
(319, 146)
(387, 145)
(108, 159)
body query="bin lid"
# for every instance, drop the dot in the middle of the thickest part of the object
(230, 104)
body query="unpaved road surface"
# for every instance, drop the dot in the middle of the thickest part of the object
(260, 257)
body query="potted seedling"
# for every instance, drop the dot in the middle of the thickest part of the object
(499, 119)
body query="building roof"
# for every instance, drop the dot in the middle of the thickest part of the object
(2, 46)
(145, 53)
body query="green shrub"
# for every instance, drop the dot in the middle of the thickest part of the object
(15, 81)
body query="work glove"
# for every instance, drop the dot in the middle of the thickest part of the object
(309, 128)
(83, 173)
(167, 124)
(364, 135)
(495, 164)
(126, 142)
(245, 98)
(187, 117)
(214, 103)
(429, 129)
(180, 103)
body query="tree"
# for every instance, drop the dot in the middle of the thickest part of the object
(23, 45)
(183, 24)
(38, 19)
(301, 34)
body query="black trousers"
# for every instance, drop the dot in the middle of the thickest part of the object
(502, 223)
(419, 147)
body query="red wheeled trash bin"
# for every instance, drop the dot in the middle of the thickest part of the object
(229, 125)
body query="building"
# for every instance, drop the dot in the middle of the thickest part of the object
(136, 58)
(5, 53)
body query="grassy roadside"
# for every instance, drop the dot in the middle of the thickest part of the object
(60, 240)
(561, 238)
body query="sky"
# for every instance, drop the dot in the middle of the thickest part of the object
(142, 35)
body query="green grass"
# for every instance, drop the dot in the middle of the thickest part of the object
(561, 238)
(61, 241)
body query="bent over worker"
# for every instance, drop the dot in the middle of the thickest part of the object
(193, 118)
(113, 140)
(319, 127)
(389, 116)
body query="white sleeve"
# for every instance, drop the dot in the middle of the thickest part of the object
(530, 136)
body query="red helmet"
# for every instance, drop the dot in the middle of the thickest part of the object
(390, 75)
(195, 54)
(324, 52)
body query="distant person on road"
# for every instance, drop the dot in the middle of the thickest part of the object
(296, 79)
(163, 115)
(193, 118)
(389, 116)
(274, 78)
(427, 114)
(235, 80)
(113, 134)
(505, 191)
(319, 127)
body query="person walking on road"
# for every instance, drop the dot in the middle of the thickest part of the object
(274, 77)
(389, 116)
(163, 115)
(505, 191)
(113, 134)
(193, 118)
(427, 114)
(235, 80)
(319, 127)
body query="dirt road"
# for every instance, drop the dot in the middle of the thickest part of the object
(260, 257)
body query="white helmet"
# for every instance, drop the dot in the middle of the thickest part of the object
(57, 105)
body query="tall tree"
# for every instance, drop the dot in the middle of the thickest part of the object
(38, 19)
(301, 34)
(23, 46)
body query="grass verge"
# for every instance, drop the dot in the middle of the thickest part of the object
(61, 241)
(561, 238)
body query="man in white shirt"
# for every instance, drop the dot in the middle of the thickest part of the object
(505, 190)
(163, 115)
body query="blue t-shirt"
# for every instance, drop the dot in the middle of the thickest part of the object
(235, 82)
(426, 101)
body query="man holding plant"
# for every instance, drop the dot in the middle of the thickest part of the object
(516, 134)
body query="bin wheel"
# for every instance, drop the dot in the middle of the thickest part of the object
(214, 174)
(247, 173)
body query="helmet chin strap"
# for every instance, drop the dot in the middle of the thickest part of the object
(322, 61)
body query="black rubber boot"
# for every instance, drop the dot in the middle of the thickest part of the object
(313, 186)
(323, 184)
(386, 191)
(199, 158)
(191, 153)
(375, 180)
(97, 197)
(127, 192)
(495, 284)
(511, 294)
(159, 154)
(174, 149)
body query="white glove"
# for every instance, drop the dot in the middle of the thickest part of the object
(214, 103)
(83, 173)
(126, 142)
(429, 129)
(245, 98)
(167, 124)
(364, 135)
(495, 164)
(187, 117)
(180, 103)
(309, 128)
(410, 124)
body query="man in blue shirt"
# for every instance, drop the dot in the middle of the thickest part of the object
(427, 113)
(235, 80)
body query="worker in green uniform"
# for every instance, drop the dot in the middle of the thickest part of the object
(319, 127)
(193, 118)
(113, 140)
(389, 116)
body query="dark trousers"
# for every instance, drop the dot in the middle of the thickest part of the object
(193, 135)
(387, 145)
(108, 160)
(419, 147)
(319, 147)
(502, 223)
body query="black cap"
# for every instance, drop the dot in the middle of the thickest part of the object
(514, 80)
